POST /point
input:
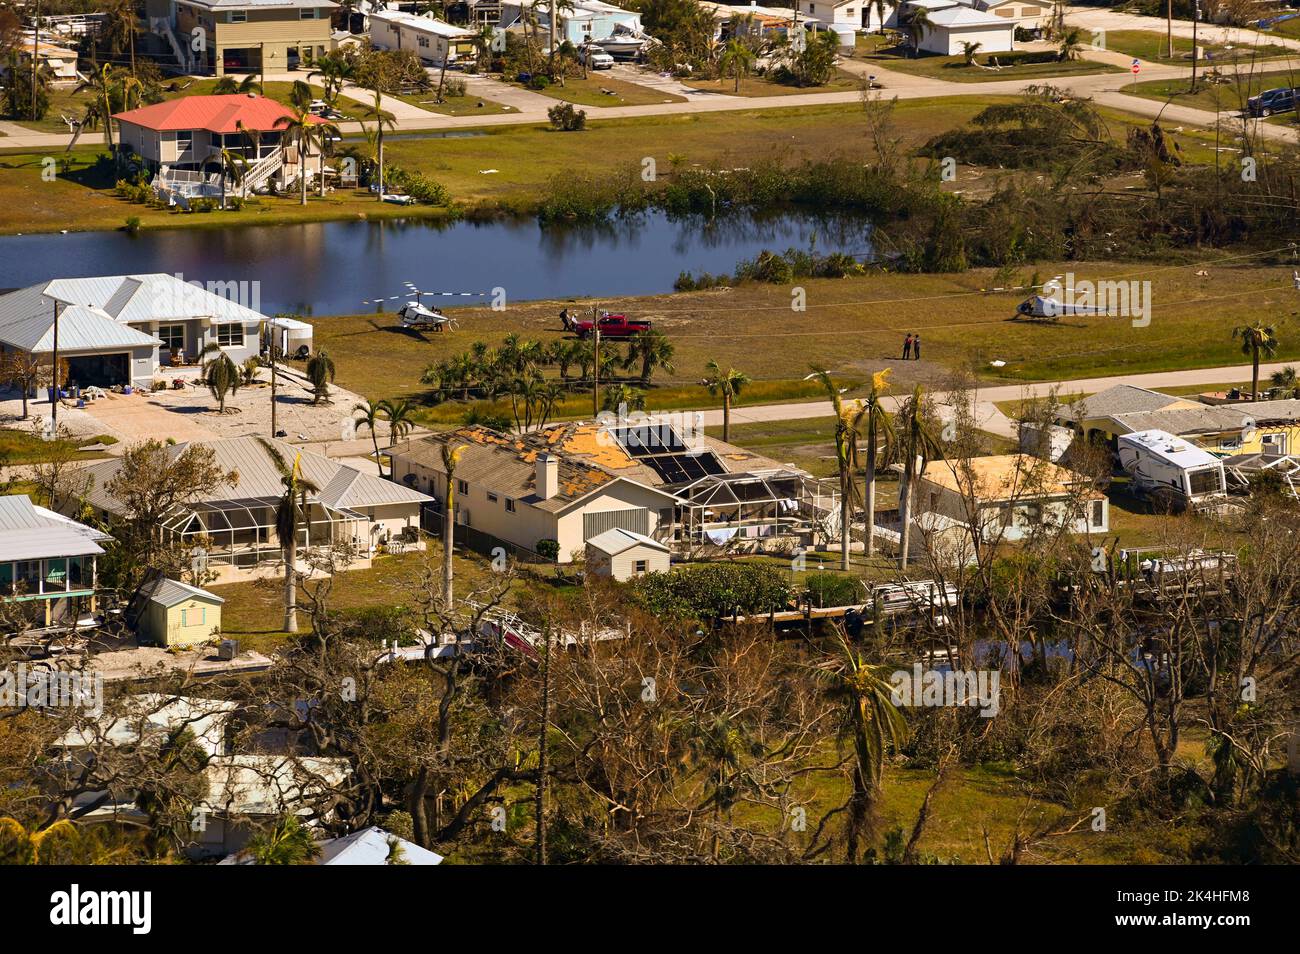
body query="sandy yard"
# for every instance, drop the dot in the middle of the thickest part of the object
(190, 414)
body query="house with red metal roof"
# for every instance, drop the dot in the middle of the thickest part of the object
(181, 140)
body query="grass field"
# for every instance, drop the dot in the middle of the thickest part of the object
(526, 157)
(20, 445)
(1230, 96)
(1153, 47)
(760, 86)
(954, 69)
(455, 105)
(855, 326)
(592, 92)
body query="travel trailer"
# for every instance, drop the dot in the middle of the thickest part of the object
(1169, 468)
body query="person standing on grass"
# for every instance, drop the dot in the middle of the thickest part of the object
(907, 347)
(916, 347)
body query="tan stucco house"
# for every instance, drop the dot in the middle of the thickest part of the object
(254, 36)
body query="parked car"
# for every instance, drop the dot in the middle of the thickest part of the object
(612, 326)
(1281, 100)
(597, 59)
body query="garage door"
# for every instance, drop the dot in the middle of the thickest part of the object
(638, 521)
(104, 370)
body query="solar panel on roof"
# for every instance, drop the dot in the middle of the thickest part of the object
(649, 439)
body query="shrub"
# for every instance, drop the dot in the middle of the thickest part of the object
(566, 118)
(710, 592)
(547, 549)
(538, 81)
(835, 589)
(453, 87)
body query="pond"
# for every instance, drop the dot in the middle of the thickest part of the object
(327, 268)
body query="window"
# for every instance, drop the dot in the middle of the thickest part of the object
(510, 505)
(462, 487)
(6, 577)
(641, 566)
(307, 13)
(173, 337)
(230, 336)
(195, 615)
(1098, 513)
(424, 41)
(237, 16)
(184, 140)
(492, 498)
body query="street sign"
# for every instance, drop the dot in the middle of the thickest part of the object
(1137, 65)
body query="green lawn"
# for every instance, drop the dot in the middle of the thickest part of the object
(840, 82)
(599, 89)
(20, 445)
(455, 105)
(1227, 96)
(1153, 47)
(954, 69)
(527, 156)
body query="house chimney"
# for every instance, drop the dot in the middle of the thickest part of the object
(548, 476)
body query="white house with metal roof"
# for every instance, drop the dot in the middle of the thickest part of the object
(953, 23)
(118, 329)
(232, 530)
(47, 561)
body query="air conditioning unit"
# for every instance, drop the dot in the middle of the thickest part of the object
(228, 649)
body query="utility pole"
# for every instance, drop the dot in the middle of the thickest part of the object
(54, 376)
(36, 41)
(1196, 16)
(595, 368)
(1169, 26)
(274, 337)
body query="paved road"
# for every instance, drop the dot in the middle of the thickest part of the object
(987, 414)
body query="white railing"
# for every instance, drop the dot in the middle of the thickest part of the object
(260, 171)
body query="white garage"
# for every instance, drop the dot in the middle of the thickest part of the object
(954, 26)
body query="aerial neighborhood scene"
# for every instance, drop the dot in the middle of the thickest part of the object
(650, 432)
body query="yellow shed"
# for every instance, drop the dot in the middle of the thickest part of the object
(177, 614)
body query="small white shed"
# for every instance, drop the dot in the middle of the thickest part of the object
(625, 554)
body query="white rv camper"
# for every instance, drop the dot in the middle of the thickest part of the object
(1169, 468)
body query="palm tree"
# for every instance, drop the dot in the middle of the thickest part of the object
(1071, 43)
(288, 842)
(968, 50)
(917, 444)
(737, 59)
(1255, 339)
(872, 724)
(334, 72)
(917, 24)
(100, 84)
(846, 457)
(450, 458)
(121, 28)
(727, 383)
(400, 417)
(232, 167)
(368, 414)
(652, 349)
(382, 119)
(1287, 380)
(304, 130)
(620, 395)
(880, 15)
(291, 512)
(228, 84)
(873, 423)
(320, 372)
(221, 375)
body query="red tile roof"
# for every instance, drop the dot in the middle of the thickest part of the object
(218, 114)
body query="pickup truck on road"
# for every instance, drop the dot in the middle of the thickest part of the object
(612, 326)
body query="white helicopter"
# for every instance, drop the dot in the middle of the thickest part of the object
(415, 314)
(1051, 307)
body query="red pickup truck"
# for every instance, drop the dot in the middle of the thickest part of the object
(612, 326)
